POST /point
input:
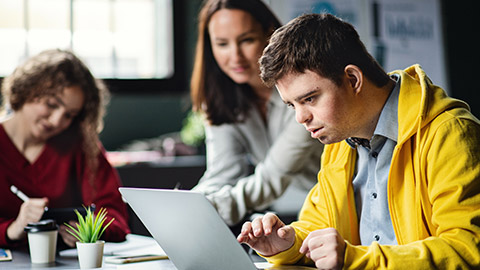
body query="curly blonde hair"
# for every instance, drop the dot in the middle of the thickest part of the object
(48, 73)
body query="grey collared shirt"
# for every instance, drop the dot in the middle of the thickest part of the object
(371, 176)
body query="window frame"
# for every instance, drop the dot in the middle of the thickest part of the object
(177, 83)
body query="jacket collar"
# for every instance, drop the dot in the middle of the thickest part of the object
(413, 115)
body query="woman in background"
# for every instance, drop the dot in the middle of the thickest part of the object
(247, 124)
(53, 109)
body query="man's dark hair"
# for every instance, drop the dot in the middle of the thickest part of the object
(321, 43)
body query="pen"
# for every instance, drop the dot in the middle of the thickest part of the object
(21, 195)
(177, 186)
(145, 258)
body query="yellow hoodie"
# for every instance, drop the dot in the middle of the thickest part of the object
(433, 188)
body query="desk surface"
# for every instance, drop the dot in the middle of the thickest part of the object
(21, 260)
(134, 243)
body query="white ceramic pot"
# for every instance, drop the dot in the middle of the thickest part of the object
(90, 255)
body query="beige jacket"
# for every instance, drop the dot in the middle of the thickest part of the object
(282, 153)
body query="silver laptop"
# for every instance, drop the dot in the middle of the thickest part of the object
(189, 229)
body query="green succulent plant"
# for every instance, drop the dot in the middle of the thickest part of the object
(89, 228)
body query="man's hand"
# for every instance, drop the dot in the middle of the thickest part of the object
(268, 235)
(325, 247)
(30, 211)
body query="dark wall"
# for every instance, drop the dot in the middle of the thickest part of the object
(461, 26)
(131, 116)
(153, 112)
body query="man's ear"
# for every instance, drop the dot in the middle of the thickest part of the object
(354, 77)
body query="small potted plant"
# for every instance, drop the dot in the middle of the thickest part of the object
(88, 232)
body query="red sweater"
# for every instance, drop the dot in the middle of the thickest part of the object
(59, 174)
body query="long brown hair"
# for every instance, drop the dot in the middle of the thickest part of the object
(48, 73)
(212, 91)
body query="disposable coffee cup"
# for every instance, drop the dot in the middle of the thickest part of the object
(42, 240)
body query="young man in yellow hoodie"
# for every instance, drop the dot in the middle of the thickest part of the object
(400, 180)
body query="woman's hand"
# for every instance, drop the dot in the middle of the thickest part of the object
(66, 236)
(31, 211)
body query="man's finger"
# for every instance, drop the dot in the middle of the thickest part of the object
(285, 231)
(269, 221)
(304, 248)
(246, 230)
(257, 226)
(322, 233)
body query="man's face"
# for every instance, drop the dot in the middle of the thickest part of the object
(326, 110)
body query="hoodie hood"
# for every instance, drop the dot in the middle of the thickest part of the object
(414, 115)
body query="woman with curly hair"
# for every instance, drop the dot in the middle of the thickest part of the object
(52, 113)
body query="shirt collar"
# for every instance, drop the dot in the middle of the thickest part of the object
(387, 125)
(354, 142)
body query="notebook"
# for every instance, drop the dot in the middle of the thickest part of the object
(5, 255)
(189, 230)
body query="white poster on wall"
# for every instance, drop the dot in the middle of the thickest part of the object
(353, 11)
(411, 32)
(397, 33)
